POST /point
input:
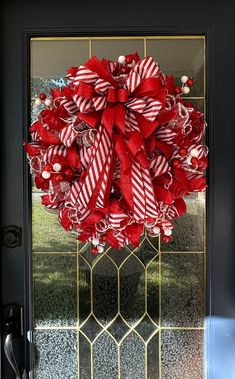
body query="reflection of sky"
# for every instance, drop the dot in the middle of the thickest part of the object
(220, 348)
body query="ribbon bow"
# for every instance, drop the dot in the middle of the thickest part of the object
(123, 109)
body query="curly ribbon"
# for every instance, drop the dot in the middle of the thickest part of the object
(125, 117)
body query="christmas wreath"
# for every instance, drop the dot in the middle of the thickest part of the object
(117, 149)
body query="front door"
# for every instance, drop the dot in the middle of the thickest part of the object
(158, 311)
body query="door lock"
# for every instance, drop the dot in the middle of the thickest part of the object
(11, 236)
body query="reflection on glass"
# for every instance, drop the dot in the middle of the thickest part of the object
(84, 353)
(132, 357)
(153, 357)
(105, 288)
(182, 354)
(55, 354)
(132, 290)
(182, 290)
(180, 57)
(105, 357)
(112, 49)
(47, 234)
(188, 229)
(55, 290)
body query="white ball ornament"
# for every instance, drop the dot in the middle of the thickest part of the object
(156, 230)
(121, 59)
(95, 241)
(48, 102)
(100, 249)
(194, 153)
(184, 79)
(167, 232)
(46, 174)
(38, 102)
(185, 90)
(57, 167)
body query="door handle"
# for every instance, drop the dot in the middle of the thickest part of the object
(8, 348)
(13, 328)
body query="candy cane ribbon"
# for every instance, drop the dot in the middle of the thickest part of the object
(132, 109)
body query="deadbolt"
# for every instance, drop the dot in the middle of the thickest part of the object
(11, 236)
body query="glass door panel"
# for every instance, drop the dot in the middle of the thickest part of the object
(128, 314)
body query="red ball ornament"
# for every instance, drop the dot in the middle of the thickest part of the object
(202, 164)
(166, 239)
(190, 82)
(124, 70)
(42, 96)
(48, 167)
(176, 163)
(129, 60)
(177, 90)
(195, 161)
(94, 250)
(183, 151)
(58, 178)
(68, 172)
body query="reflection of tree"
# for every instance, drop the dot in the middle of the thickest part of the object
(181, 283)
(39, 85)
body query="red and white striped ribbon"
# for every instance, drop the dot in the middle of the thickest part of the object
(53, 151)
(143, 193)
(159, 165)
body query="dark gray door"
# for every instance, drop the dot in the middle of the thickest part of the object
(157, 312)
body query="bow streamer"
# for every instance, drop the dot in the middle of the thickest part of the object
(116, 151)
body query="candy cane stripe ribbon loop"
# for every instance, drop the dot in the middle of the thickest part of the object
(123, 113)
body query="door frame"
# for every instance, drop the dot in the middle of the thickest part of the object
(219, 33)
(102, 32)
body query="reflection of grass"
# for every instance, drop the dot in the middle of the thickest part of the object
(48, 234)
(188, 230)
(55, 289)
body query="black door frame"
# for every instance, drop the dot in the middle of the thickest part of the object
(136, 31)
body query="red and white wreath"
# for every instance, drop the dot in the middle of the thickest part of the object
(117, 149)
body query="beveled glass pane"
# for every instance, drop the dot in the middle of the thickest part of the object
(51, 58)
(147, 251)
(189, 229)
(118, 256)
(85, 252)
(153, 357)
(132, 357)
(146, 328)
(182, 354)
(47, 234)
(113, 48)
(153, 290)
(55, 354)
(118, 329)
(91, 328)
(55, 289)
(105, 295)
(84, 354)
(132, 290)
(179, 56)
(84, 289)
(182, 290)
(105, 357)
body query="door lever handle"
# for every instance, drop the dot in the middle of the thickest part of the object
(13, 328)
(8, 348)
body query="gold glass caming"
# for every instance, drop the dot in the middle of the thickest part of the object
(137, 313)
